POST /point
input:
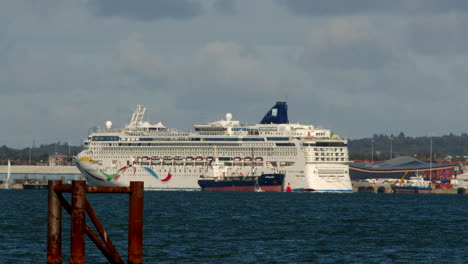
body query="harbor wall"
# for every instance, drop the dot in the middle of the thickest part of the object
(386, 188)
(371, 187)
(40, 169)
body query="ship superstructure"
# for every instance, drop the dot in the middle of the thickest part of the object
(312, 159)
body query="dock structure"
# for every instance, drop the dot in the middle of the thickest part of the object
(371, 187)
(25, 169)
(78, 209)
(36, 177)
(386, 188)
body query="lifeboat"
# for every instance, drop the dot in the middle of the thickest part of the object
(178, 160)
(145, 160)
(167, 159)
(155, 160)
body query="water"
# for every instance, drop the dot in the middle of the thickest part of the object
(228, 227)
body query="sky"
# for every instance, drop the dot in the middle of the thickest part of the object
(358, 67)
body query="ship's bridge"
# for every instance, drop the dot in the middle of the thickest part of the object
(218, 126)
(293, 130)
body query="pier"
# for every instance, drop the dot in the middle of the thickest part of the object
(386, 188)
(371, 187)
(24, 169)
(36, 177)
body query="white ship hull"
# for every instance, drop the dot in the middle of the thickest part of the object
(328, 178)
(169, 178)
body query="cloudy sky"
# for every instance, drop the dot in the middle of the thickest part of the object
(357, 67)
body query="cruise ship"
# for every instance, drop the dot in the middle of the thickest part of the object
(312, 159)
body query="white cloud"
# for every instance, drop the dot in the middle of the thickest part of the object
(134, 57)
(227, 63)
(350, 43)
(146, 10)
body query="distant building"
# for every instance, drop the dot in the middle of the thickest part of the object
(58, 160)
(400, 167)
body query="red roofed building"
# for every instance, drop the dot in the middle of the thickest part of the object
(58, 160)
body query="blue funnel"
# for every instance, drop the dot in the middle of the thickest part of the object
(278, 114)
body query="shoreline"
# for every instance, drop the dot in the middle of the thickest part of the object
(27, 169)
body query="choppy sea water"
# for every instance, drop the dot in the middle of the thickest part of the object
(229, 227)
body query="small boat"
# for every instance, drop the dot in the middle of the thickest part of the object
(35, 186)
(6, 185)
(167, 160)
(155, 160)
(178, 160)
(145, 161)
(248, 160)
(415, 184)
(257, 187)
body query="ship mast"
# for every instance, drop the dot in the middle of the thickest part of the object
(137, 116)
(430, 164)
(7, 181)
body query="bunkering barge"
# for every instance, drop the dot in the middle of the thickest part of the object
(272, 182)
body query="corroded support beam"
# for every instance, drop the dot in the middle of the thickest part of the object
(77, 245)
(78, 209)
(54, 227)
(135, 224)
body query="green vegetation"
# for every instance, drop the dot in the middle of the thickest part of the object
(39, 155)
(401, 145)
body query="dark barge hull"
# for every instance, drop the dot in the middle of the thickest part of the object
(267, 182)
(35, 186)
(411, 189)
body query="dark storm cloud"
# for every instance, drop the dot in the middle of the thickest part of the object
(343, 7)
(146, 9)
(441, 35)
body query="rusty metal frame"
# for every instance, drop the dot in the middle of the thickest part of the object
(78, 209)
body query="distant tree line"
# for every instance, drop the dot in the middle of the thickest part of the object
(401, 145)
(359, 149)
(37, 155)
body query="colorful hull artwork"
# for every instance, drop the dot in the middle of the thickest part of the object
(104, 176)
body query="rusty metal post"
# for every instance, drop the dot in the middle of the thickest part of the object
(54, 227)
(77, 245)
(135, 224)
